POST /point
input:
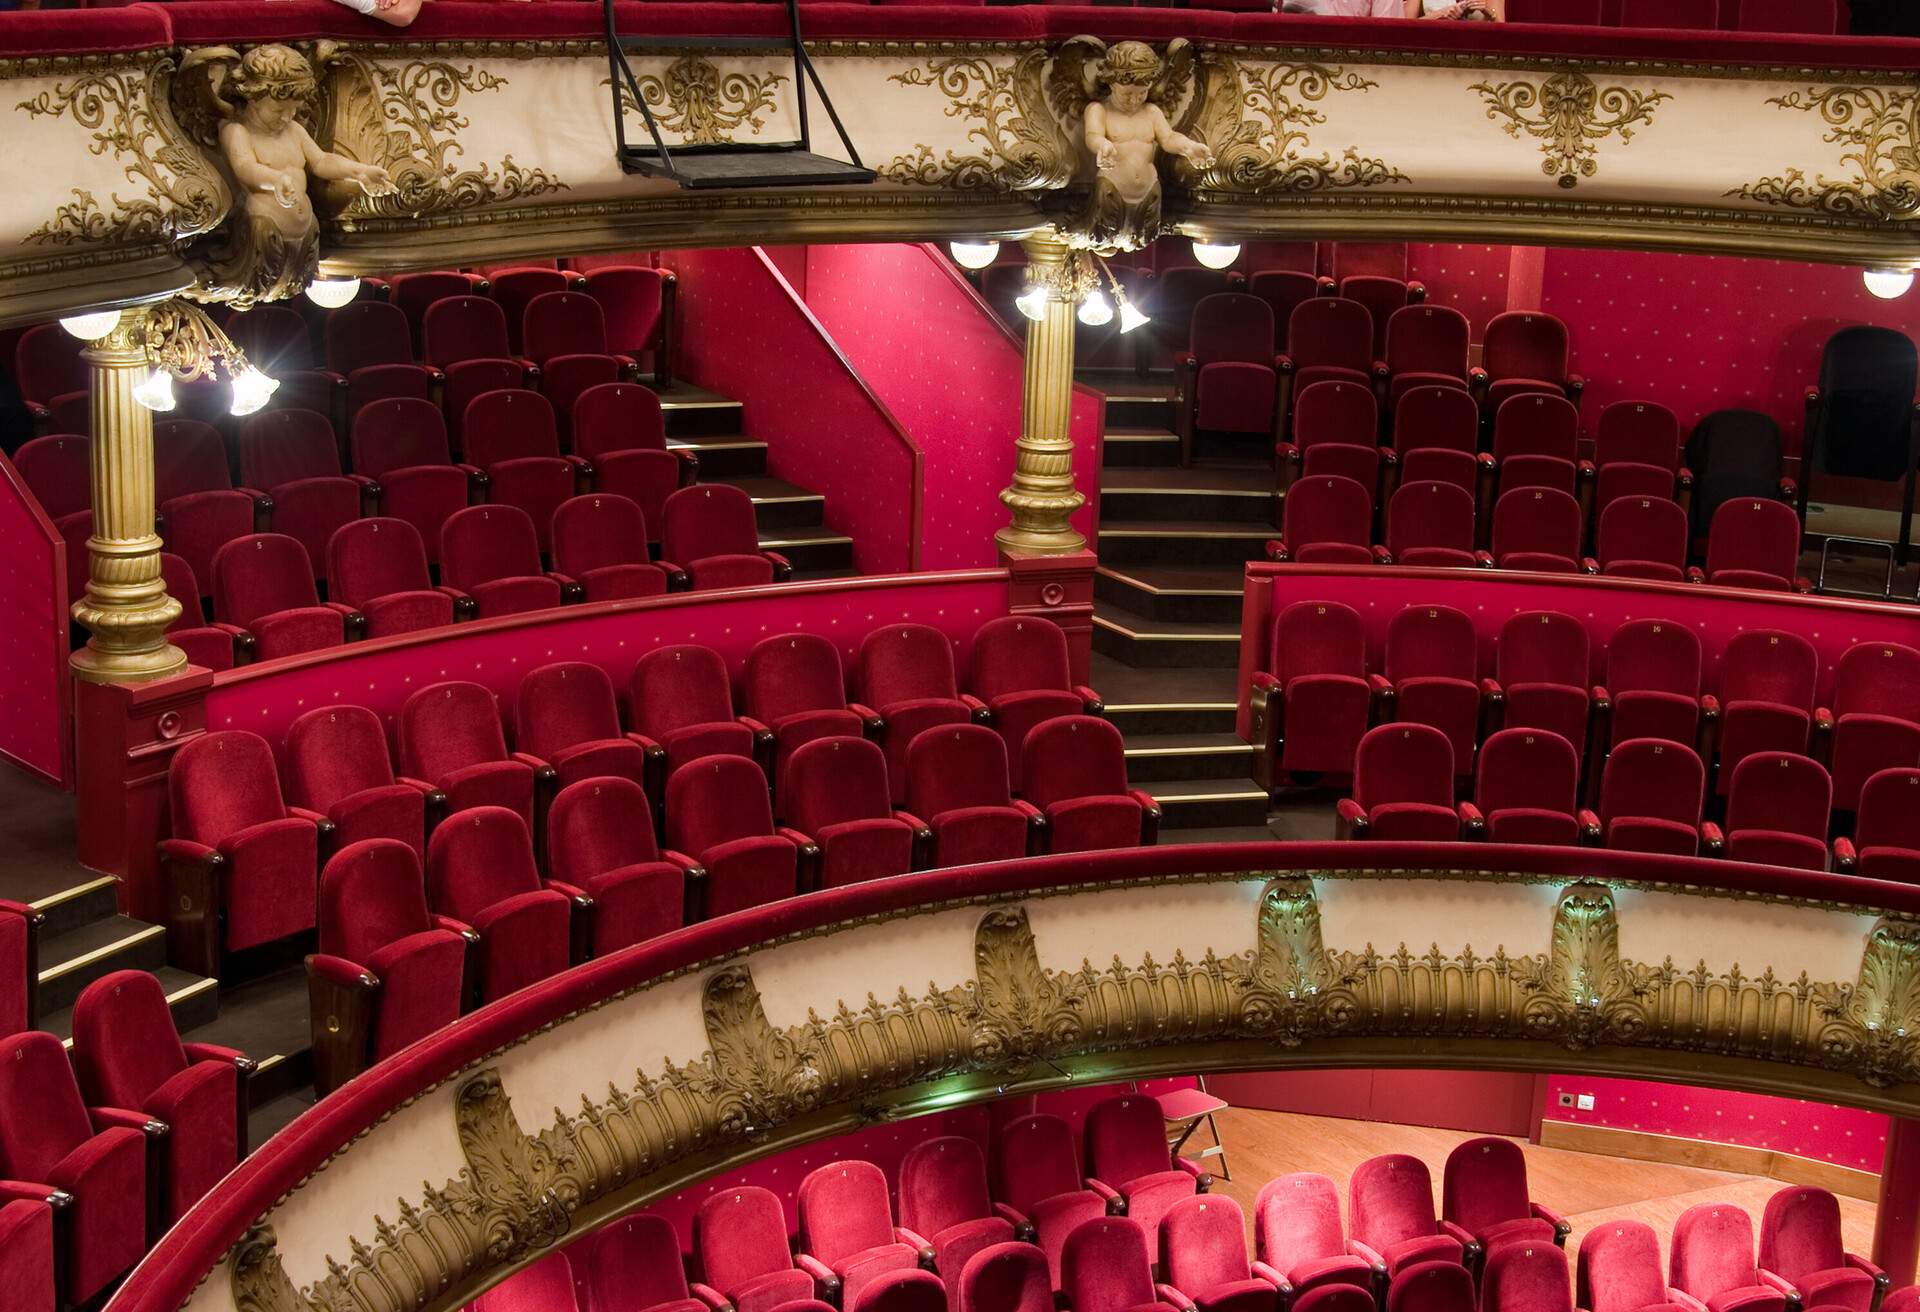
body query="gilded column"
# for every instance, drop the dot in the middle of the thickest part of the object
(1043, 496)
(126, 607)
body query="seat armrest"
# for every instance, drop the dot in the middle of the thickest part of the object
(677, 580)
(570, 891)
(1483, 559)
(15, 1191)
(1115, 1201)
(1366, 1254)
(1168, 1294)
(1590, 829)
(1261, 1271)
(1880, 1278)
(1490, 690)
(1023, 1230)
(823, 1277)
(1588, 565)
(1561, 1226)
(1845, 858)
(1277, 551)
(869, 717)
(1602, 699)
(1381, 556)
(922, 1248)
(1472, 823)
(1203, 1180)
(120, 1118)
(1712, 841)
(1773, 1280)
(1149, 816)
(712, 1297)
(1709, 706)
(1284, 364)
(532, 762)
(976, 708)
(1350, 820)
(464, 607)
(1695, 574)
(1477, 376)
(460, 927)
(215, 1052)
(782, 567)
(1092, 702)
(1458, 1232)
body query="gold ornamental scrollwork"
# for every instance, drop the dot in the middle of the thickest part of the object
(1570, 115)
(1021, 145)
(694, 100)
(1020, 1012)
(1881, 128)
(1258, 118)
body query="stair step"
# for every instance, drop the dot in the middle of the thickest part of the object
(1125, 446)
(1238, 493)
(812, 551)
(723, 458)
(1146, 720)
(265, 1018)
(1140, 641)
(1208, 803)
(1190, 543)
(193, 1000)
(1154, 758)
(93, 898)
(1187, 596)
(690, 411)
(269, 1118)
(71, 961)
(778, 504)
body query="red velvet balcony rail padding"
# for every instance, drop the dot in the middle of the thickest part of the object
(170, 1273)
(213, 22)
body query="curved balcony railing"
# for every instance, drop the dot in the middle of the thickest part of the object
(433, 1175)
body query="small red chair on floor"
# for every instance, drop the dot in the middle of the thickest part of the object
(1040, 1187)
(1402, 788)
(1203, 1253)
(740, 1236)
(1484, 1199)
(1802, 1254)
(337, 766)
(1390, 1217)
(1107, 1266)
(943, 1197)
(481, 874)
(835, 792)
(634, 1265)
(1528, 791)
(1886, 830)
(957, 783)
(1711, 1260)
(1296, 1232)
(847, 1237)
(600, 840)
(1127, 1160)
(1777, 814)
(1020, 670)
(1076, 775)
(719, 814)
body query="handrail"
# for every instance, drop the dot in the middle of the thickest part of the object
(199, 1243)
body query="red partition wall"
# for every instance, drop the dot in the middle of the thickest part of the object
(1603, 604)
(1479, 1102)
(1470, 279)
(745, 333)
(36, 692)
(921, 336)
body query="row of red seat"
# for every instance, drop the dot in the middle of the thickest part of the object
(1319, 696)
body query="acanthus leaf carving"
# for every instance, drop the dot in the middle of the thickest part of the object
(1022, 146)
(693, 100)
(1881, 128)
(1020, 1011)
(762, 1076)
(1569, 114)
(1258, 118)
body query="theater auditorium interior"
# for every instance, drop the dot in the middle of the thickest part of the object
(823, 656)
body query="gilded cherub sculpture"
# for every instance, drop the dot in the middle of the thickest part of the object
(1124, 95)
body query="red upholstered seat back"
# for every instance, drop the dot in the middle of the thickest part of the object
(1125, 1137)
(479, 857)
(546, 1286)
(398, 433)
(1176, 293)
(596, 531)
(483, 543)
(221, 783)
(740, 1233)
(1074, 756)
(1619, 1268)
(58, 470)
(630, 299)
(1431, 642)
(1034, 1159)
(597, 825)
(1815, 17)
(1432, 1287)
(509, 424)
(1430, 339)
(716, 800)
(273, 337)
(1327, 509)
(830, 781)
(1318, 637)
(1383, 296)
(904, 662)
(1296, 1219)
(635, 1262)
(1331, 330)
(124, 1042)
(953, 766)
(447, 726)
(1232, 327)
(415, 293)
(1642, 528)
(1536, 519)
(1655, 778)
(514, 289)
(260, 574)
(843, 1210)
(942, 1183)
(371, 894)
(1485, 1182)
(1790, 794)
(465, 328)
(1889, 812)
(1283, 290)
(1403, 763)
(1800, 1231)
(906, 1290)
(1640, 431)
(673, 687)
(1335, 1298)
(1878, 678)
(1767, 665)
(1389, 1199)
(1536, 424)
(1107, 1265)
(1203, 1243)
(617, 417)
(1525, 344)
(1697, 15)
(1653, 655)
(42, 1117)
(334, 752)
(371, 558)
(1436, 415)
(279, 446)
(709, 519)
(562, 704)
(177, 575)
(1009, 1277)
(47, 363)
(1017, 652)
(188, 456)
(367, 333)
(1333, 410)
(1527, 768)
(793, 672)
(1712, 1250)
(564, 323)
(1526, 1276)
(1429, 513)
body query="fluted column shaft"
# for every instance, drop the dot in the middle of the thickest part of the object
(126, 608)
(1042, 497)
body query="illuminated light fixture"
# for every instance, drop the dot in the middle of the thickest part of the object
(332, 293)
(251, 390)
(1033, 302)
(1887, 284)
(1095, 309)
(155, 391)
(1216, 255)
(1130, 316)
(92, 327)
(974, 254)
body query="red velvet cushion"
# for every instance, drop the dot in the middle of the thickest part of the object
(420, 977)
(271, 874)
(1413, 822)
(635, 903)
(1525, 824)
(406, 612)
(200, 1105)
(748, 872)
(1092, 824)
(971, 834)
(26, 1255)
(859, 850)
(733, 571)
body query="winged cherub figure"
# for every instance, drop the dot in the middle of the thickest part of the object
(1125, 126)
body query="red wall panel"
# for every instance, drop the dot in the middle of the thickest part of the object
(1482, 1102)
(1470, 279)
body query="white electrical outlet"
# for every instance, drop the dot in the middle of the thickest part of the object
(1586, 1102)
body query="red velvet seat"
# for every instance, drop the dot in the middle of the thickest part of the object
(561, 323)
(1335, 430)
(390, 382)
(906, 681)
(1755, 543)
(1228, 377)
(241, 864)
(1127, 1161)
(58, 471)
(27, 1255)
(719, 814)
(450, 738)
(1652, 687)
(1327, 337)
(1203, 1253)
(1636, 452)
(1697, 15)
(49, 1145)
(1814, 17)
(1777, 814)
(1390, 1218)
(1019, 669)
(1297, 1235)
(1537, 528)
(457, 328)
(1076, 775)
(337, 766)
(545, 1286)
(1535, 444)
(1619, 1269)
(19, 966)
(1651, 796)
(1801, 1250)
(511, 435)
(847, 1238)
(1542, 669)
(1431, 523)
(600, 839)
(1283, 290)
(1876, 716)
(1326, 521)
(637, 305)
(794, 687)
(1484, 1199)
(1525, 351)
(1904, 1299)
(199, 509)
(1432, 665)
(1432, 1287)
(1107, 1266)
(709, 530)
(263, 584)
(1642, 538)
(835, 792)
(943, 1198)
(1886, 829)
(48, 369)
(1711, 1260)
(379, 567)
(740, 1236)
(957, 783)
(1335, 1298)
(1402, 787)
(682, 705)
(514, 289)
(1523, 1275)
(634, 1265)
(1528, 790)
(1436, 435)
(1176, 293)
(466, 381)
(1767, 681)
(1426, 346)
(619, 427)
(133, 1068)
(208, 645)
(364, 334)
(600, 540)
(908, 1290)
(401, 444)
(481, 873)
(1038, 1184)
(1010, 1277)
(492, 554)
(1384, 296)
(1315, 701)
(416, 293)
(565, 716)
(294, 455)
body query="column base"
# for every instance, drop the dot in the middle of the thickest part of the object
(91, 666)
